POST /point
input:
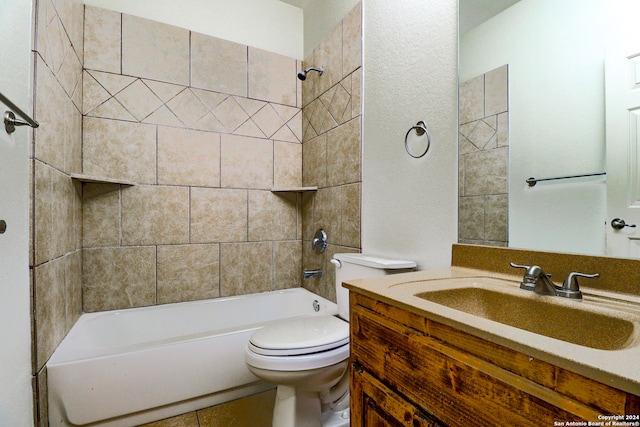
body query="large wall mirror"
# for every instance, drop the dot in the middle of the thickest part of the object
(533, 104)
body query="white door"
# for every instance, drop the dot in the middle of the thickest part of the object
(622, 76)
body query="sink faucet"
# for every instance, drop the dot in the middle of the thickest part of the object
(536, 280)
(308, 274)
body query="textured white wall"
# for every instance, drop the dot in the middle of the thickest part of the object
(266, 24)
(409, 206)
(555, 51)
(16, 408)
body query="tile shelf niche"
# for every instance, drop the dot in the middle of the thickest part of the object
(294, 189)
(88, 179)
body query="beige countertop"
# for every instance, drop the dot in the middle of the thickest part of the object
(617, 368)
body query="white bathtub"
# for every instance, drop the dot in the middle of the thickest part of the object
(129, 367)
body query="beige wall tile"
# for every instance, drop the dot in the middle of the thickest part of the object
(343, 154)
(496, 217)
(218, 65)
(272, 77)
(496, 91)
(58, 139)
(307, 208)
(58, 287)
(351, 208)
(218, 215)
(308, 86)
(328, 54)
(155, 50)
(314, 162)
(138, 100)
(43, 214)
(471, 222)
(327, 214)
(472, 99)
(486, 172)
(101, 215)
(188, 157)
(188, 272)
(121, 277)
(73, 287)
(188, 107)
(93, 93)
(50, 320)
(123, 150)
(155, 215)
(356, 102)
(352, 40)
(272, 216)
(503, 130)
(340, 107)
(102, 39)
(246, 162)
(287, 165)
(245, 268)
(71, 14)
(483, 135)
(57, 214)
(287, 258)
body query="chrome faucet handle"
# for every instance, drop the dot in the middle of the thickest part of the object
(570, 287)
(531, 275)
(514, 265)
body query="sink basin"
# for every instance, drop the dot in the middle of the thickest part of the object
(571, 321)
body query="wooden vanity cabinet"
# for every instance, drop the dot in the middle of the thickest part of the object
(407, 370)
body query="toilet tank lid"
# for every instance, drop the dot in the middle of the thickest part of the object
(375, 262)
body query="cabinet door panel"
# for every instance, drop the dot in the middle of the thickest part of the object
(375, 405)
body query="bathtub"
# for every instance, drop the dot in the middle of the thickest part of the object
(133, 366)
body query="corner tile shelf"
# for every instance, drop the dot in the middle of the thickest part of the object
(294, 189)
(88, 179)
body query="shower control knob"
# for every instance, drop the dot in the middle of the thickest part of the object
(619, 224)
(319, 242)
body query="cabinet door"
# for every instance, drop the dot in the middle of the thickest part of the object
(375, 405)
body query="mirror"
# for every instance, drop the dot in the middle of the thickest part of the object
(536, 69)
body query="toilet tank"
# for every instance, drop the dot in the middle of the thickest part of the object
(360, 266)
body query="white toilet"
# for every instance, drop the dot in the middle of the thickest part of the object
(309, 357)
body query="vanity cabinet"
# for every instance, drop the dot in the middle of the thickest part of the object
(408, 370)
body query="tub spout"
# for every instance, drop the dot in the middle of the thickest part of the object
(308, 274)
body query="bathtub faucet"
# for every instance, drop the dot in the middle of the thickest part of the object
(308, 274)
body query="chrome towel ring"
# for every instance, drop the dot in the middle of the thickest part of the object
(421, 129)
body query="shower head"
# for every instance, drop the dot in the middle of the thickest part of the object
(302, 75)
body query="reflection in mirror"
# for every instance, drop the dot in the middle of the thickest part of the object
(552, 56)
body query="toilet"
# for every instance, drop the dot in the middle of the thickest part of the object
(308, 358)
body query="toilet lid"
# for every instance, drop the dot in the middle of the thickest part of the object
(302, 335)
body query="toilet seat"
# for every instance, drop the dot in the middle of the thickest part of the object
(299, 344)
(291, 337)
(302, 362)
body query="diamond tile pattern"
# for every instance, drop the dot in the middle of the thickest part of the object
(328, 111)
(112, 96)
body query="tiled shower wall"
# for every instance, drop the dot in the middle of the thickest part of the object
(204, 128)
(484, 159)
(332, 148)
(56, 211)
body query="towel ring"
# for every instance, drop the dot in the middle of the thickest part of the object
(421, 129)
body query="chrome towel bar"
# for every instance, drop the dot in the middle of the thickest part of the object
(533, 181)
(10, 121)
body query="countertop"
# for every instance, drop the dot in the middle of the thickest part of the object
(617, 368)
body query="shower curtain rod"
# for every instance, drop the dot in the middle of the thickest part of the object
(10, 121)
